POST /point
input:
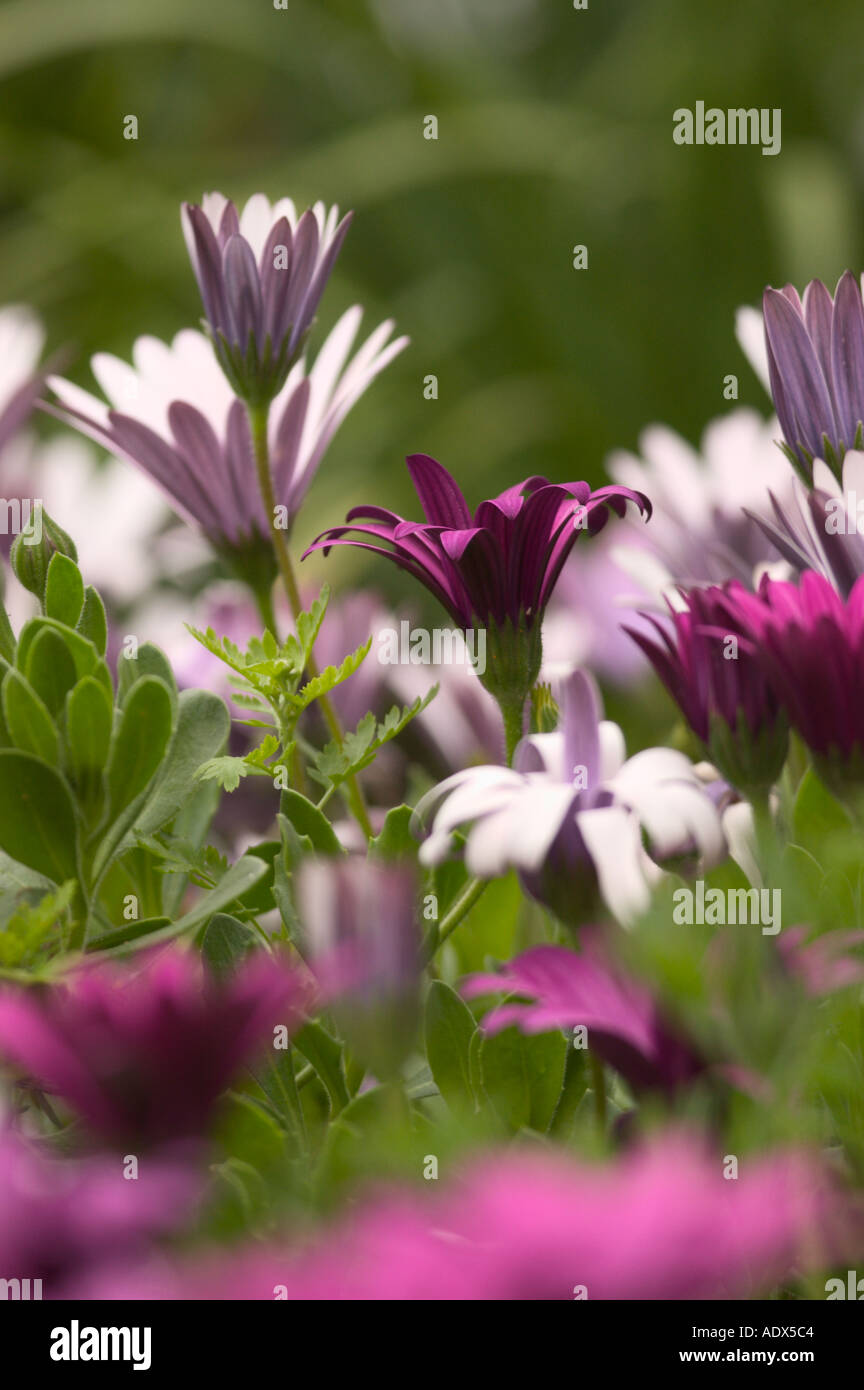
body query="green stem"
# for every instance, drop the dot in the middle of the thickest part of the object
(473, 889)
(258, 425)
(513, 716)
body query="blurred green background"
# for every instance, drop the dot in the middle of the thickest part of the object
(555, 128)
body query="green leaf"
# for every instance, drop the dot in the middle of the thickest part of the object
(87, 659)
(325, 1055)
(225, 942)
(51, 669)
(88, 737)
(817, 812)
(450, 1027)
(140, 741)
(37, 816)
(522, 1076)
(239, 879)
(30, 726)
(338, 761)
(308, 820)
(131, 932)
(64, 590)
(93, 623)
(203, 725)
(227, 771)
(331, 676)
(395, 840)
(149, 661)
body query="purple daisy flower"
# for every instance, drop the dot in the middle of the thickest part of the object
(261, 275)
(707, 666)
(624, 1025)
(821, 527)
(359, 927)
(62, 1220)
(496, 570)
(809, 643)
(142, 1055)
(815, 350)
(21, 339)
(174, 415)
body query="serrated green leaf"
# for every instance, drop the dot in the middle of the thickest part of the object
(227, 771)
(335, 763)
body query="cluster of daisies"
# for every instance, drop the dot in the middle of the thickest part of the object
(735, 572)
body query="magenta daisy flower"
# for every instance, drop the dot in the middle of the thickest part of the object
(707, 665)
(142, 1055)
(809, 645)
(496, 569)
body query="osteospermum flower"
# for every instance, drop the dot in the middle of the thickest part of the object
(62, 1220)
(625, 1027)
(707, 503)
(261, 275)
(660, 1222)
(496, 569)
(359, 928)
(821, 528)
(143, 1054)
(809, 644)
(815, 351)
(714, 678)
(571, 813)
(175, 416)
(21, 340)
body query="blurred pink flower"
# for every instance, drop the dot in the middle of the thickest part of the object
(662, 1222)
(60, 1218)
(143, 1050)
(625, 1027)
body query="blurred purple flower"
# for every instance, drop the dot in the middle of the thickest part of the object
(261, 275)
(21, 340)
(571, 813)
(624, 1025)
(661, 1222)
(60, 1220)
(821, 528)
(142, 1051)
(174, 415)
(816, 368)
(823, 965)
(706, 505)
(714, 678)
(358, 921)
